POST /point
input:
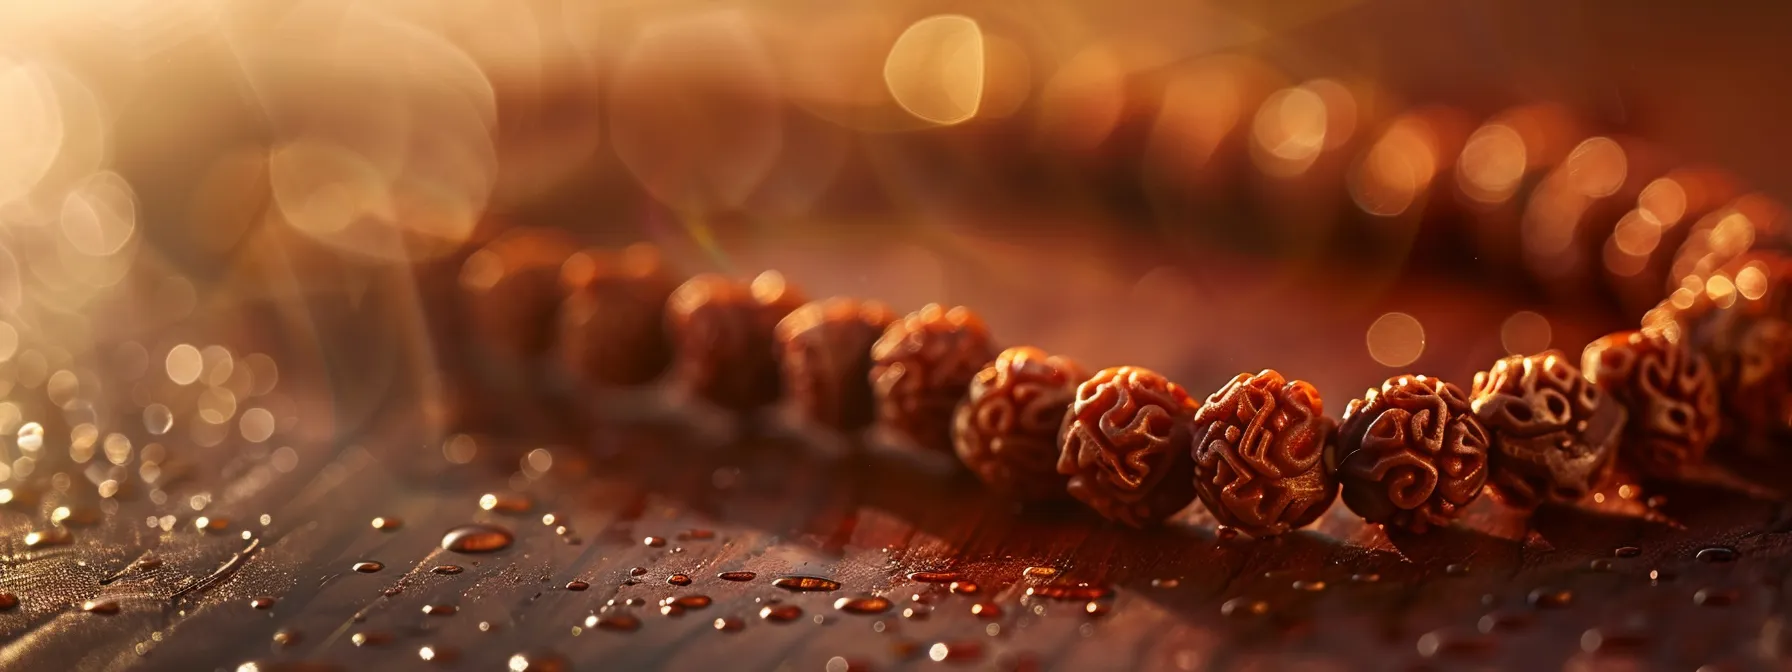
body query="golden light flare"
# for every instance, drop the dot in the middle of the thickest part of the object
(1289, 131)
(936, 69)
(1397, 169)
(1663, 200)
(1525, 333)
(1597, 167)
(1493, 164)
(1396, 339)
(1083, 101)
(100, 215)
(31, 129)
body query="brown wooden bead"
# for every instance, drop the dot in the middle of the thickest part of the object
(1006, 429)
(722, 330)
(826, 350)
(1124, 445)
(1259, 452)
(512, 290)
(921, 367)
(612, 329)
(1671, 395)
(1553, 436)
(1740, 319)
(1411, 454)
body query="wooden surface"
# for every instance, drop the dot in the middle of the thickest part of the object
(625, 466)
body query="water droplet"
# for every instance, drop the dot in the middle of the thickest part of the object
(1551, 598)
(538, 661)
(1453, 642)
(368, 567)
(671, 610)
(49, 536)
(933, 577)
(917, 611)
(437, 653)
(439, 609)
(964, 587)
(75, 516)
(1041, 572)
(690, 601)
(654, 542)
(387, 523)
(103, 607)
(1606, 640)
(1225, 532)
(211, 524)
(781, 613)
(577, 585)
(8, 601)
(284, 637)
(1659, 575)
(1600, 565)
(869, 604)
(619, 622)
(737, 576)
(1505, 619)
(729, 624)
(371, 638)
(697, 534)
(986, 610)
(1456, 569)
(262, 603)
(1716, 597)
(1365, 578)
(505, 502)
(945, 652)
(1243, 607)
(446, 569)
(1716, 554)
(1166, 583)
(477, 539)
(679, 580)
(806, 583)
(1626, 552)
(1309, 586)
(1077, 592)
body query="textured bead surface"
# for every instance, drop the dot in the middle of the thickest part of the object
(1125, 446)
(611, 326)
(1410, 454)
(1552, 435)
(921, 367)
(1669, 392)
(512, 290)
(826, 351)
(1006, 430)
(1259, 448)
(722, 332)
(1740, 319)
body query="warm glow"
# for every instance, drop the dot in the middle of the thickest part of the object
(1597, 167)
(1525, 333)
(935, 69)
(1664, 200)
(1289, 131)
(1396, 339)
(1397, 169)
(1493, 164)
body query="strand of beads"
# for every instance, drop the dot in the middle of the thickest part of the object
(1259, 453)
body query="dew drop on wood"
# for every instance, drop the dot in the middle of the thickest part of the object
(679, 579)
(262, 603)
(1627, 551)
(439, 609)
(1550, 598)
(368, 567)
(538, 661)
(1096, 609)
(933, 577)
(729, 624)
(446, 570)
(964, 587)
(505, 502)
(371, 638)
(285, 637)
(806, 583)
(1716, 554)
(690, 601)
(736, 576)
(438, 654)
(1243, 607)
(671, 610)
(781, 613)
(986, 610)
(1309, 586)
(1040, 572)
(867, 604)
(1456, 569)
(960, 651)
(49, 536)
(618, 622)
(477, 539)
(387, 523)
(654, 542)
(1069, 592)
(103, 607)
(576, 585)
(917, 612)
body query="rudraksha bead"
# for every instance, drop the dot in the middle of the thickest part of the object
(1259, 451)
(612, 329)
(920, 368)
(1411, 454)
(826, 349)
(1125, 446)
(1671, 395)
(1740, 319)
(512, 290)
(1006, 429)
(722, 330)
(1552, 435)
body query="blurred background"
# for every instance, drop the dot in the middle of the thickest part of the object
(222, 222)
